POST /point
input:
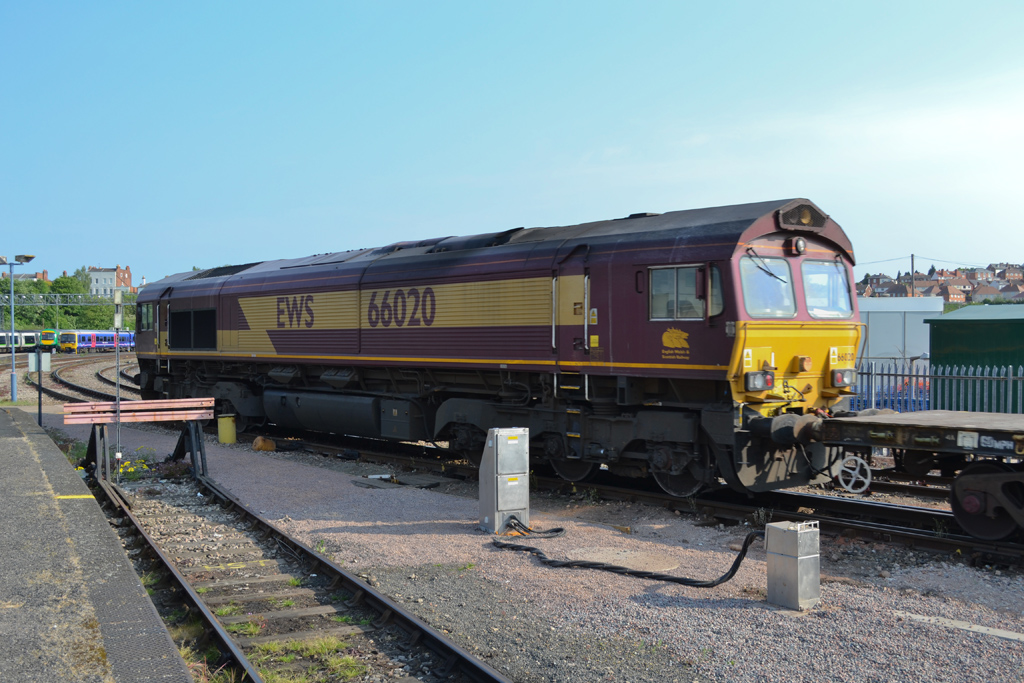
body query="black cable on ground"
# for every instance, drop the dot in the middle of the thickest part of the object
(583, 564)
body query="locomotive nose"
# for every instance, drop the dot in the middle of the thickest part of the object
(788, 429)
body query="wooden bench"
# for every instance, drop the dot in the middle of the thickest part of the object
(102, 413)
(139, 411)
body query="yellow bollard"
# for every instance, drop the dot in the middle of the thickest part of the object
(226, 429)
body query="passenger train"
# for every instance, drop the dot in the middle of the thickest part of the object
(687, 346)
(89, 341)
(23, 340)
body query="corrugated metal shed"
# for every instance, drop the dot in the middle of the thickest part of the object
(978, 336)
(895, 326)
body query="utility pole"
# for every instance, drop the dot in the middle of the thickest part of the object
(913, 272)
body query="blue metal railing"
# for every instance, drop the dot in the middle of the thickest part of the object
(906, 387)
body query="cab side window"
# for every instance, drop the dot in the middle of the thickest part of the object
(145, 318)
(673, 293)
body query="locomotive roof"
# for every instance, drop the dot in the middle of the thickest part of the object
(720, 225)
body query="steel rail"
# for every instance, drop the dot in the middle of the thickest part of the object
(936, 492)
(114, 382)
(212, 625)
(934, 529)
(455, 658)
(95, 393)
(929, 528)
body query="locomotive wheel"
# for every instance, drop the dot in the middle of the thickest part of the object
(970, 514)
(681, 485)
(574, 470)
(474, 457)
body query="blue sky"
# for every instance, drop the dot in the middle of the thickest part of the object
(170, 135)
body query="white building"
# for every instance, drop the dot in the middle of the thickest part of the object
(895, 327)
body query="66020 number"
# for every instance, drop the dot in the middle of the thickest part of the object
(402, 308)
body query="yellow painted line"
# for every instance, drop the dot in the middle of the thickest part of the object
(403, 359)
(962, 625)
(664, 366)
(73, 497)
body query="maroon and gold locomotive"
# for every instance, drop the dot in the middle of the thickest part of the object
(687, 346)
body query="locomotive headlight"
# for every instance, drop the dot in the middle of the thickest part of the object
(844, 378)
(759, 381)
(796, 246)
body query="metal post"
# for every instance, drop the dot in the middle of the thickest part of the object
(117, 362)
(117, 378)
(10, 342)
(39, 380)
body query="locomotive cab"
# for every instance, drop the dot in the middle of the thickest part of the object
(796, 338)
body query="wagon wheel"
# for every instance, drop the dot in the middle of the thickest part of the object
(682, 485)
(854, 474)
(970, 510)
(574, 470)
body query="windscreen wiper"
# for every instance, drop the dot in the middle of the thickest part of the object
(842, 271)
(764, 266)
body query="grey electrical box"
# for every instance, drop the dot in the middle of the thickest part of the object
(794, 569)
(44, 362)
(505, 478)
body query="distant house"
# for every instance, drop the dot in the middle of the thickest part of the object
(1012, 274)
(952, 295)
(1010, 290)
(943, 275)
(29, 277)
(979, 274)
(906, 278)
(104, 281)
(932, 289)
(864, 290)
(985, 293)
(880, 279)
(960, 283)
(898, 290)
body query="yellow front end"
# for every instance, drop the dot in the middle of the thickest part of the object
(802, 357)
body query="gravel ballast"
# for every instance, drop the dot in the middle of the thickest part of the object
(536, 623)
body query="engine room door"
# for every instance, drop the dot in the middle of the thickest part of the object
(160, 321)
(572, 303)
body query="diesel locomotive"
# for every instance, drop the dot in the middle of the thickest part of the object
(686, 346)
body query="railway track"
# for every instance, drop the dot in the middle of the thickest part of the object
(59, 377)
(269, 605)
(858, 517)
(75, 392)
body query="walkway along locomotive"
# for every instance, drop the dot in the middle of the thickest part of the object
(689, 345)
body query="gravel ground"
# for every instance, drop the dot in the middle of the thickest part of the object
(536, 623)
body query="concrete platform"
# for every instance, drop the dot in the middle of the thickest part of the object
(71, 606)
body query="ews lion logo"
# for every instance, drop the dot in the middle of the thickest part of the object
(675, 339)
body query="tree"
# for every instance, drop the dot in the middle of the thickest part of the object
(931, 272)
(27, 317)
(83, 276)
(69, 284)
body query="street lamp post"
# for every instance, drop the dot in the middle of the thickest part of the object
(19, 260)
